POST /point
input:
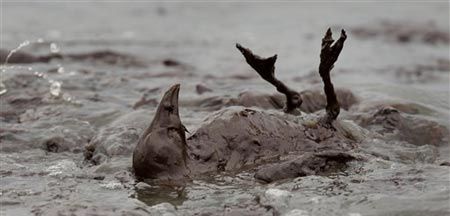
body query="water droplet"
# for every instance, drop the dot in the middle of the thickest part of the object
(60, 70)
(40, 40)
(3, 89)
(67, 98)
(40, 75)
(55, 88)
(23, 44)
(54, 48)
(111, 185)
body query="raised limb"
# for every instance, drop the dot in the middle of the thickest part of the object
(265, 67)
(328, 56)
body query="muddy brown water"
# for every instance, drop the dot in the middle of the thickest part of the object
(50, 111)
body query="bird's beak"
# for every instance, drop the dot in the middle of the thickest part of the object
(171, 97)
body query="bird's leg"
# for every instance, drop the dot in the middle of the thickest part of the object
(328, 56)
(265, 67)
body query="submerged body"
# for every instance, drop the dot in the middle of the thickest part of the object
(233, 139)
(239, 137)
(244, 136)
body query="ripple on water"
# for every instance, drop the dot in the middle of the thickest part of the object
(112, 185)
(63, 168)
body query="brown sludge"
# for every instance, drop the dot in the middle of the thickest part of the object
(237, 137)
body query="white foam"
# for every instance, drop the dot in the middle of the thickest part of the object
(54, 48)
(64, 167)
(163, 209)
(278, 198)
(112, 185)
(297, 212)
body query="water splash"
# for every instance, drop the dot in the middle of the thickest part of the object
(63, 168)
(54, 49)
(22, 45)
(40, 75)
(60, 69)
(55, 86)
(3, 89)
(25, 43)
(112, 185)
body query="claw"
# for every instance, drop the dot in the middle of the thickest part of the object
(246, 52)
(265, 67)
(329, 34)
(327, 39)
(343, 34)
(337, 47)
(328, 56)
